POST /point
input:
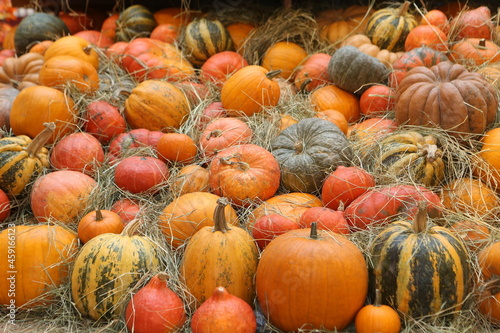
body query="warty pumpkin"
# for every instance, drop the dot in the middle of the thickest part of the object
(446, 95)
(134, 21)
(22, 160)
(421, 271)
(221, 255)
(107, 267)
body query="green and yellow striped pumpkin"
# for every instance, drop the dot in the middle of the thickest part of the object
(388, 27)
(135, 21)
(22, 159)
(203, 38)
(407, 156)
(420, 270)
(106, 269)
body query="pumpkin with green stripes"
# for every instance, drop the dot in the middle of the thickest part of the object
(407, 156)
(203, 38)
(135, 21)
(421, 270)
(22, 159)
(388, 27)
(107, 268)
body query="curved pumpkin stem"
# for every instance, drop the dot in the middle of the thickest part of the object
(243, 166)
(131, 228)
(420, 220)
(272, 74)
(404, 8)
(314, 230)
(41, 139)
(98, 215)
(162, 276)
(304, 85)
(214, 134)
(432, 152)
(220, 223)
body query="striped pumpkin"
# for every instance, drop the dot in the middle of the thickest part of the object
(420, 271)
(407, 155)
(388, 27)
(203, 38)
(135, 21)
(107, 267)
(22, 159)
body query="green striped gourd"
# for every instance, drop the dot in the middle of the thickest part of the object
(106, 269)
(204, 38)
(407, 156)
(420, 270)
(135, 21)
(22, 159)
(388, 27)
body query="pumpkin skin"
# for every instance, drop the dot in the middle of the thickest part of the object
(107, 267)
(7, 96)
(188, 213)
(99, 222)
(22, 160)
(354, 71)
(388, 27)
(426, 35)
(220, 66)
(377, 318)
(489, 271)
(473, 23)
(220, 256)
(326, 219)
(203, 38)
(21, 72)
(157, 106)
(141, 174)
(250, 90)
(134, 21)
(332, 97)
(38, 27)
(407, 156)
(128, 209)
(315, 69)
(448, 96)
(268, 227)
(286, 56)
(62, 195)
(176, 148)
(474, 52)
(421, 271)
(190, 178)
(52, 105)
(43, 254)
(295, 264)
(73, 46)
(104, 121)
(308, 151)
(126, 143)
(244, 174)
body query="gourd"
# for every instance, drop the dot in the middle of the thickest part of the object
(308, 151)
(135, 21)
(23, 71)
(107, 267)
(421, 271)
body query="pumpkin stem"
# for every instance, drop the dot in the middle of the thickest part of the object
(98, 215)
(314, 230)
(243, 166)
(214, 134)
(87, 49)
(378, 298)
(432, 152)
(304, 84)
(404, 8)
(220, 223)
(482, 43)
(272, 74)
(298, 147)
(420, 220)
(162, 276)
(131, 227)
(41, 139)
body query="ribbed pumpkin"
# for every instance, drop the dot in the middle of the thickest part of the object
(286, 56)
(388, 27)
(22, 159)
(203, 38)
(38, 27)
(220, 256)
(156, 106)
(308, 151)
(312, 279)
(421, 271)
(40, 261)
(135, 21)
(73, 46)
(407, 155)
(107, 267)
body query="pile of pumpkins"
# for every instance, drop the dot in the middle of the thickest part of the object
(164, 104)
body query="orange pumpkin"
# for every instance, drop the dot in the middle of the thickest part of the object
(41, 47)
(190, 178)
(286, 56)
(166, 32)
(74, 46)
(313, 73)
(331, 97)
(176, 147)
(475, 52)
(487, 164)
(239, 33)
(436, 18)
(489, 298)
(377, 317)
(335, 117)
(475, 234)
(99, 222)
(426, 35)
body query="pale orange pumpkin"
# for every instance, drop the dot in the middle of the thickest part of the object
(74, 46)
(190, 178)
(284, 56)
(99, 222)
(331, 97)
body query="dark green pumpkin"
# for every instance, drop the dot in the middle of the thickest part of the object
(37, 28)
(355, 71)
(135, 21)
(389, 27)
(204, 38)
(406, 156)
(308, 151)
(421, 271)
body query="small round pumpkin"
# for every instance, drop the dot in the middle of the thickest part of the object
(104, 121)
(332, 97)
(190, 178)
(313, 73)
(377, 317)
(99, 222)
(141, 174)
(286, 56)
(176, 148)
(474, 52)
(135, 21)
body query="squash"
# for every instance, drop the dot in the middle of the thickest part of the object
(355, 71)
(23, 71)
(135, 21)
(332, 97)
(474, 52)
(308, 151)
(446, 95)
(407, 156)
(421, 271)
(7, 96)
(286, 56)
(22, 160)
(489, 296)
(389, 27)
(99, 222)
(38, 27)
(220, 256)
(107, 267)
(190, 178)
(73, 46)
(203, 38)
(377, 317)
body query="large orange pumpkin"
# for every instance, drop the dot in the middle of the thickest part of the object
(286, 56)
(74, 46)
(331, 97)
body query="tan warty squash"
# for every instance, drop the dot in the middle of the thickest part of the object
(408, 155)
(21, 159)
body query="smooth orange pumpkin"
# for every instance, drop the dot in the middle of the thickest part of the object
(99, 222)
(334, 98)
(73, 46)
(190, 178)
(176, 147)
(284, 56)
